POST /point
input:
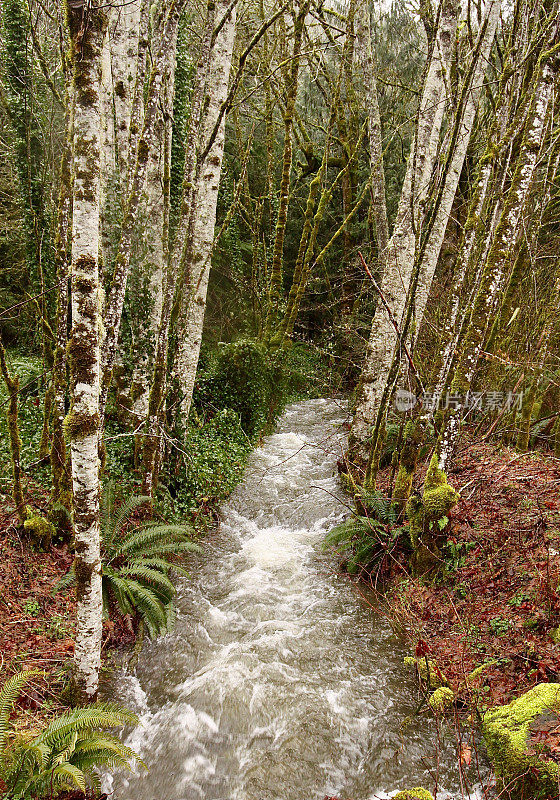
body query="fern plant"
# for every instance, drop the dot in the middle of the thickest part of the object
(66, 754)
(136, 561)
(369, 535)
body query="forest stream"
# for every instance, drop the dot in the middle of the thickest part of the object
(278, 681)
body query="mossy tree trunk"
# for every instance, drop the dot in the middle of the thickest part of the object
(430, 232)
(82, 426)
(61, 495)
(375, 133)
(197, 268)
(152, 446)
(276, 270)
(505, 239)
(401, 248)
(146, 285)
(162, 66)
(12, 385)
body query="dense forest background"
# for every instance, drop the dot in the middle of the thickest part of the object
(211, 209)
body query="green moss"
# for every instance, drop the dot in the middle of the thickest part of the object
(415, 515)
(38, 528)
(414, 794)
(478, 671)
(78, 426)
(431, 674)
(425, 515)
(403, 485)
(518, 762)
(441, 699)
(439, 502)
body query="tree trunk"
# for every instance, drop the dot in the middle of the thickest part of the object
(276, 270)
(191, 319)
(399, 263)
(456, 158)
(375, 133)
(61, 495)
(174, 265)
(504, 241)
(163, 65)
(82, 425)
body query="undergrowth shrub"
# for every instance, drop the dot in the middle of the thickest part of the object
(257, 383)
(241, 378)
(215, 455)
(369, 538)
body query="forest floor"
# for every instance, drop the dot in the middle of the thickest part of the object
(497, 601)
(37, 622)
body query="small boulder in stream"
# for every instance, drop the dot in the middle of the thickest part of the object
(523, 742)
(414, 794)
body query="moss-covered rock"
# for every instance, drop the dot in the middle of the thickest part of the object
(430, 673)
(442, 698)
(414, 794)
(428, 518)
(38, 528)
(518, 761)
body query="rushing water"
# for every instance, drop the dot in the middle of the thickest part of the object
(278, 682)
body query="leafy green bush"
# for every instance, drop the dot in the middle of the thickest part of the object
(241, 378)
(369, 537)
(307, 372)
(216, 453)
(257, 383)
(136, 563)
(65, 754)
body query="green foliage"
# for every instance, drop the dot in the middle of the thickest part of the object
(216, 451)
(66, 754)
(32, 608)
(137, 561)
(257, 383)
(367, 538)
(499, 626)
(242, 378)
(454, 553)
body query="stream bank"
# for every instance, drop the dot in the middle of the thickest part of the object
(277, 681)
(495, 601)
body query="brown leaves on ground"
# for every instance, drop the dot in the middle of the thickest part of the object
(36, 624)
(499, 597)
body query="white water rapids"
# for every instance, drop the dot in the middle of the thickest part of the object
(278, 682)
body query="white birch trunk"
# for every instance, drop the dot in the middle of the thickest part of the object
(191, 320)
(82, 424)
(151, 272)
(457, 160)
(503, 244)
(163, 67)
(174, 261)
(399, 261)
(123, 35)
(365, 56)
